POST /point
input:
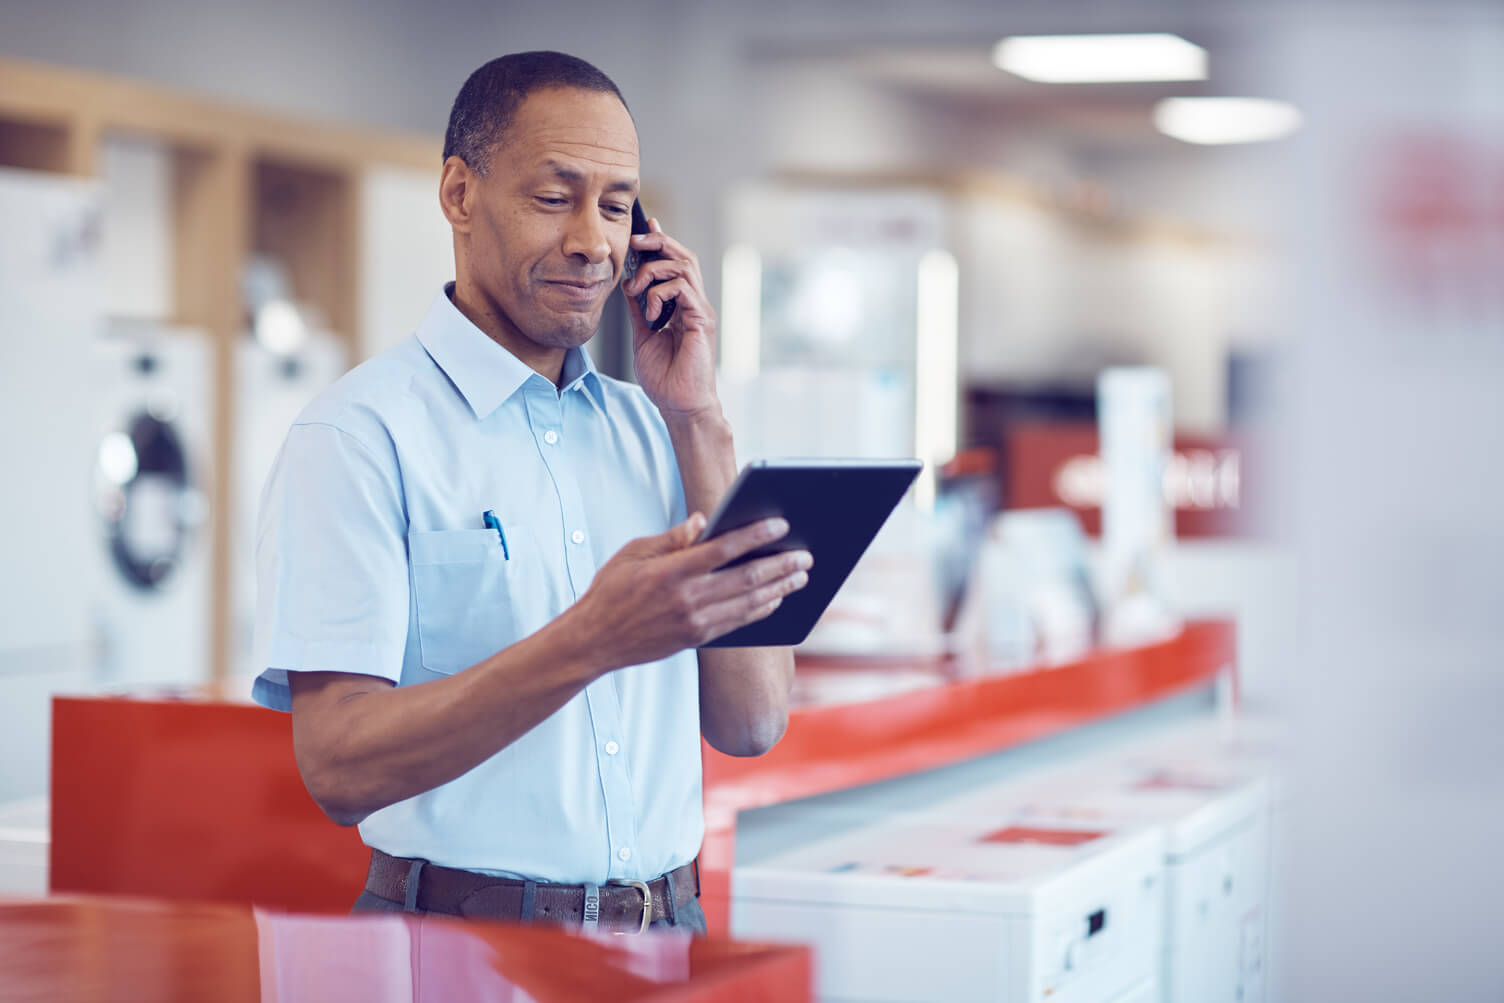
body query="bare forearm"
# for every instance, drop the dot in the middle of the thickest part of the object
(744, 698)
(743, 691)
(391, 743)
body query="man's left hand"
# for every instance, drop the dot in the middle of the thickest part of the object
(676, 365)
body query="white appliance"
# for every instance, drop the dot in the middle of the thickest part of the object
(1216, 849)
(50, 310)
(1233, 750)
(271, 390)
(919, 909)
(151, 391)
(1138, 524)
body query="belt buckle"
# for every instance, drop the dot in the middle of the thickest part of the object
(647, 904)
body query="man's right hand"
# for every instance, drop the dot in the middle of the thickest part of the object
(662, 594)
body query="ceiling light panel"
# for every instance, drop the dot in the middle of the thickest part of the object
(1100, 59)
(1213, 121)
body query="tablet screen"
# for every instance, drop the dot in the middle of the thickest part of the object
(834, 509)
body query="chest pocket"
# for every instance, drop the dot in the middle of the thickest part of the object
(472, 598)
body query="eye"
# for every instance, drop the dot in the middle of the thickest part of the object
(552, 201)
(615, 210)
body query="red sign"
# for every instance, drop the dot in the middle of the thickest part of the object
(1056, 465)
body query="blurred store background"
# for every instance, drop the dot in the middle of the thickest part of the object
(1191, 308)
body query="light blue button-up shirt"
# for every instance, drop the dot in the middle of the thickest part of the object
(372, 557)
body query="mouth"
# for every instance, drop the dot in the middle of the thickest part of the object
(578, 292)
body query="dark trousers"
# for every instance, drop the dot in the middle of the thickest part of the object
(689, 917)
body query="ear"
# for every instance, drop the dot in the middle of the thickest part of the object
(456, 193)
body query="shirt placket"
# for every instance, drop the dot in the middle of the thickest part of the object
(545, 412)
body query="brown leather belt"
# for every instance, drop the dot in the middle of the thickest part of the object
(620, 906)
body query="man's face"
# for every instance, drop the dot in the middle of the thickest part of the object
(553, 214)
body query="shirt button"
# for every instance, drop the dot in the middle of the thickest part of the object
(578, 536)
(550, 437)
(612, 748)
(624, 854)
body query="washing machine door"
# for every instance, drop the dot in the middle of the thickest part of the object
(149, 501)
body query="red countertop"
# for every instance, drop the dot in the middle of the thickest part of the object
(83, 949)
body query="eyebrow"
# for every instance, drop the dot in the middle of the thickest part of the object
(564, 172)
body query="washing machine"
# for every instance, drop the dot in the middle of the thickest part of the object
(271, 389)
(151, 387)
(1215, 843)
(924, 909)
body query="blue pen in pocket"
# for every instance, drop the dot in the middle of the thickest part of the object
(494, 523)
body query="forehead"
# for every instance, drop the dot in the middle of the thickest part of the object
(589, 129)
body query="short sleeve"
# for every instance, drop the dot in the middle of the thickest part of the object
(331, 563)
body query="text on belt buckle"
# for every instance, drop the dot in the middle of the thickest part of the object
(647, 904)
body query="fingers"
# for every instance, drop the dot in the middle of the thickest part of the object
(676, 538)
(676, 289)
(656, 271)
(747, 606)
(762, 580)
(671, 249)
(676, 278)
(706, 557)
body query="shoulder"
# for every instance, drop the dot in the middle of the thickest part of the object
(370, 400)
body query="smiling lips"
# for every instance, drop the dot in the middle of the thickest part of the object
(581, 293)
(583, 285)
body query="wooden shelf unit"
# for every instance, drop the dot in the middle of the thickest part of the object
(244, 181)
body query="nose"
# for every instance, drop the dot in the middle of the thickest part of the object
(585, 237)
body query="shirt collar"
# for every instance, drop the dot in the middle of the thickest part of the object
(484, 372)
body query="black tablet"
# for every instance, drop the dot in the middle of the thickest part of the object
(834, 508)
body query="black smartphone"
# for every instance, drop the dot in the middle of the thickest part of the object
(637, 258)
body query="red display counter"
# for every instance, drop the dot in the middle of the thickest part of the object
(830, 748)
(191, 799)
(184, 799)
(83, 950)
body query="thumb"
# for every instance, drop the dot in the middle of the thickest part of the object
(680, 536)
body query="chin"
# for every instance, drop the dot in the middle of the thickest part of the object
(565, 332)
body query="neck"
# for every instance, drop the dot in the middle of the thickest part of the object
(480, 310)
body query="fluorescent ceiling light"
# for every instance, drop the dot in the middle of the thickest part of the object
(1088, 59)
(1210, 121)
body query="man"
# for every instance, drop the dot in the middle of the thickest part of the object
(479, 581)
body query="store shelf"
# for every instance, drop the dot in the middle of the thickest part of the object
(831, 748)
(244, 182)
